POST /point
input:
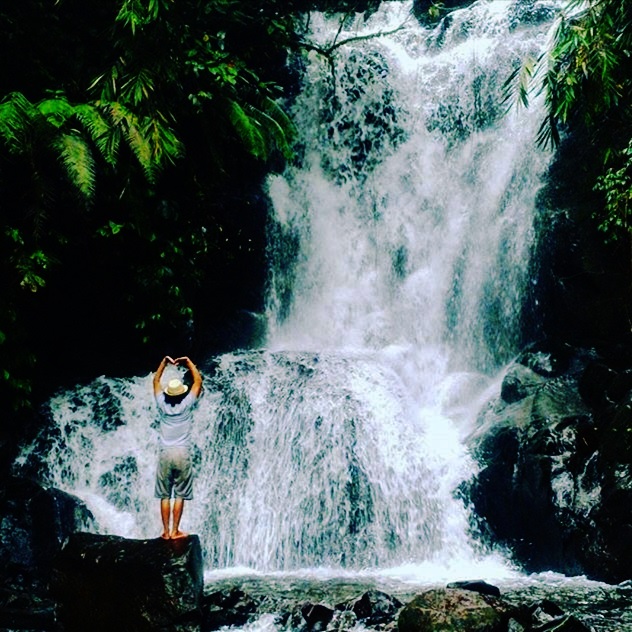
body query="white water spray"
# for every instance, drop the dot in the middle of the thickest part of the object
(399, 258)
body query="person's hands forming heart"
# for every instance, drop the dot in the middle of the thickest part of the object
(177, 361)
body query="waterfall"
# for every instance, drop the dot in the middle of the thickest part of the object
(399, 254)
(414, 202)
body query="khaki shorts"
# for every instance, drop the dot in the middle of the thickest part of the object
(174, 474)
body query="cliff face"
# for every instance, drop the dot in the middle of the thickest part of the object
(555, 449)
(581, 280)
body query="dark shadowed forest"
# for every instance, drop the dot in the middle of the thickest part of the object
(134, 140)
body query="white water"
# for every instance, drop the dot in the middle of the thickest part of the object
(399, 261)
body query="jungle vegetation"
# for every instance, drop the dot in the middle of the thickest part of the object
(585, 77)
(133, 137)
(122, 125)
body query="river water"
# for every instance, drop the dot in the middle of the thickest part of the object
(400, 269)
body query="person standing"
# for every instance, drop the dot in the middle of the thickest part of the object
(174, 475)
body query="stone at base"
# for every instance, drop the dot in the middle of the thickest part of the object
(112, 583)
(453, 610)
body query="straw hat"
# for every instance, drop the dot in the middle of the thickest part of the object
(175, 387)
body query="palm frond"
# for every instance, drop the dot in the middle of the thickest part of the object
(137, 13)
(248, 130)
(131, 129)
(132, 14)
(548, 133)
(165, 145)
(279, 125)
(152, 141)
(16, 121)
(519, 84)
(56, 110)
(78, 162)
(100, 130)
(138, 88)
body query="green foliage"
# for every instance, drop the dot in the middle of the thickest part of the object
(586, 79)
(262, 129)
(32, 130)
(118, 131)
(78, 161)
(616, 184)
(135, 14)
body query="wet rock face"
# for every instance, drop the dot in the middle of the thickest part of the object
(35, 523)
(468, 605)
(556, 478)
(232, 607)
(454, 610)
(112, 583)
(375, 607)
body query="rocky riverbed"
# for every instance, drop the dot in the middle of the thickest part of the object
(552, 491)
(599, 607)
(293, 603)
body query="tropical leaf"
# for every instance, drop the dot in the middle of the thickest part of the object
(78, 162)
(56, 110)
(151, 140)
(131, 129)
(248, 130)
(281, 127)
(132, 14)
(101, 132)
(16, 119)
(519, 84)
(166, 147)
(137, 13)
(138, 87)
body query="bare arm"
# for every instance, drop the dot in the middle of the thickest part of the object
(196, 387)
(159, 371)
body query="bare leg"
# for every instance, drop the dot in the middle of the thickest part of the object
(178, 506)
(165, 510)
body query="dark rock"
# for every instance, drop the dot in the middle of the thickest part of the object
(555, 483)
(422, 8)
(534, 491)
(549, 617)
(232, 607)
(607, 553)
(375, 607)
(594, 383)
(519, 382)
(620, 387)
(23, 609)
(565, 623)
(343, 621)
(244, 330)
(35, 522)
(316, 615)
(451, 610)
(544, 611)
(477, 585)
(551, 358)
(105, 583)
(492, 488)
(531, 12)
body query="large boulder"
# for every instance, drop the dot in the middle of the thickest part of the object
(555, 483)
(230, 607)
(104, 583)
(455, 610)
(374, 607)
(35, 522)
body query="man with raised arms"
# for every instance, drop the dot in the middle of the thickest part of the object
(174, 476)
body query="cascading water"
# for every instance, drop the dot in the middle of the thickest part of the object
(399, 255)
